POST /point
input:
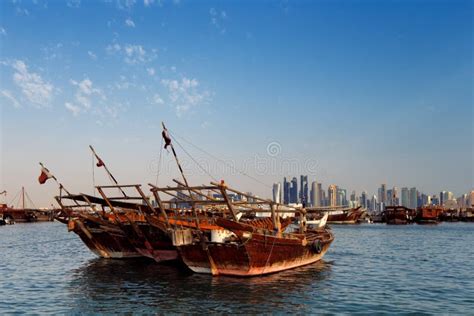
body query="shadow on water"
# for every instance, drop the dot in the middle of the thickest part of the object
(141, 285)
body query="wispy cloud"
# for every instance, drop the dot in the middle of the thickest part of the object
(125, 4)
(218, 18)
(73, 3)
(83, 98)
(92, 55)
(3, 31)
(157, 99)
(185, 94)
(9, 96)
(129, 22)
(33, 87)
(148, 3)
(151, 71)
(75, 110)
(132, 53)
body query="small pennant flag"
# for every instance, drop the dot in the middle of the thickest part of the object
(166, 137)
(45, 175)
(99, 163)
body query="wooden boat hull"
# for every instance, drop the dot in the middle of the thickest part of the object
(232, 260)
(103, 239)
(399, 215)
(345, 217)
(254, 254)
(150, 241)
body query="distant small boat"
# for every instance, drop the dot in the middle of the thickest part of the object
(428, 215)
(399, 215)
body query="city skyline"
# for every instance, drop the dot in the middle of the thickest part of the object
(288, 192)
(355, 93)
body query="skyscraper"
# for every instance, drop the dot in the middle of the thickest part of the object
(315, 194)
(363, 199)
(383, 193)
(303, 189)
(389, 197)
(373, 203)
(332, 195)
(294, 190)
(277, 192)
(395, 196)
(286, 191)
(405, 198)
(322, 196)
(413, 199)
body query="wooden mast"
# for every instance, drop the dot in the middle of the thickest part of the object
(165, 133)
(107, 170)
(23, 197)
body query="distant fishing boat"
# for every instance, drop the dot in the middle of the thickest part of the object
(22, 213)
(399, 215)
(428, 215)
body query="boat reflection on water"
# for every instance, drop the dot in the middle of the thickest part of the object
(143, 286)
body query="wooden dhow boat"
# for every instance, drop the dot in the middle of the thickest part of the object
(248, 247)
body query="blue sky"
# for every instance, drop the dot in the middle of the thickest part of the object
(355, 93)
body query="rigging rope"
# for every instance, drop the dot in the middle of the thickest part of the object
(93, 174)
(29, 199)
(197, 163)
(159, 162)
(220, 160)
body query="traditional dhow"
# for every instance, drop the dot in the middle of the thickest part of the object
(399, 215)
(428, 215)
(248, 248)
(101, 231)
(24, 214)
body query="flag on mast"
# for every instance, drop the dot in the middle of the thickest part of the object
(44, 176)
(99, 163)
(166, 137)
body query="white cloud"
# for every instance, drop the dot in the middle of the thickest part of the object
(185, 94)
(113, 48)
(3, 31)
(9, 96)
(135, 54)
(132, 53)
(217, 19)
(151, 71)
(129, 22)
(125, 4)
(75, 110)
(157, 99)
(148, 3)
(74, 3)
(92, 55)
(85, 91)
(35, 89)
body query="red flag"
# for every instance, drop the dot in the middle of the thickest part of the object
(99, 163)
(45, 175)
(166, 137)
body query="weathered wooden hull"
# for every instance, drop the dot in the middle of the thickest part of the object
(349, 217)
(255, 253)
(399, 215)
(428, 215)
(150, 241)
(104, 239)
(27, 215)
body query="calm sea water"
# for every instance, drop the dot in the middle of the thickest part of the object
(369, 268)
